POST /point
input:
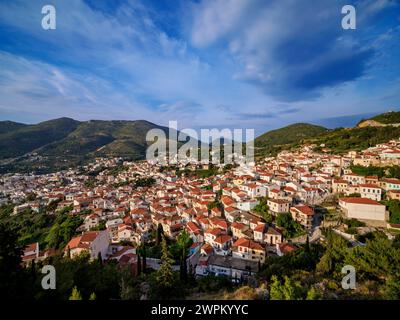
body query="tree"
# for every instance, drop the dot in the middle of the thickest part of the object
(313, 294)
(291, 228)
(75, 295)
(92, 296)
(165, 276)
(183, 241)
(263, 209)
(392, 289)
(138, 265)
(276, 289)
(378, 258)
(290, 290)
(394, 209)
(99, 258)
(144, 257)
(11, 272)
(335, 254)
(159, 234)
(62, 230)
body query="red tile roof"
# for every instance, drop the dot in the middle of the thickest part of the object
(304, 209)
(360, 201)
(250, 244)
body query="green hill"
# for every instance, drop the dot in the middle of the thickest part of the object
(18, 139)
(274, 141)
(342, 140)
(95, 137)
(387, 117)
(64, 142)
(9, 126)
(339, 140)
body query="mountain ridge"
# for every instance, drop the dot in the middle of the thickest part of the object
(65, 142)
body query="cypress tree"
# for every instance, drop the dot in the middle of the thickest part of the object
(138, 265)
(159, 234)
(165, 276)
(144, 258)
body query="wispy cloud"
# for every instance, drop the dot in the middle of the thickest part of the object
(290, 49)
(223, 63)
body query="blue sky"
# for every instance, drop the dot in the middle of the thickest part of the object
(225, 63)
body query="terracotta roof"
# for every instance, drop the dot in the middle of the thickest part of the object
(238, 225)
(223, 238)
(360, 201)
(243, 242)
(89, 236)
(304, 209)
(74, 242)
(31, 247)
(215, 231)
(230, 209)
(207, 248)
(260, 228)
(286, 247)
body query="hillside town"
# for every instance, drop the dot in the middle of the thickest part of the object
(232, 216)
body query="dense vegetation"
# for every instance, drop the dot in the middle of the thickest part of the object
(273, 141)
(17, 140)
(388, 172)
(394, 210)
(51, 228)
(343, 140)
(262, 209)
(388, 117)
(339, 140)
(83, 279)
(315, 271)
(64, 142)
(291, 227)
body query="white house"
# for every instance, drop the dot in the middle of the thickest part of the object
(371, 191)
(94, 242)
(363, 209)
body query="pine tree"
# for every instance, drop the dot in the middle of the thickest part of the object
(75, 295)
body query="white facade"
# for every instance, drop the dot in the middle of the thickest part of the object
(363, 209)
